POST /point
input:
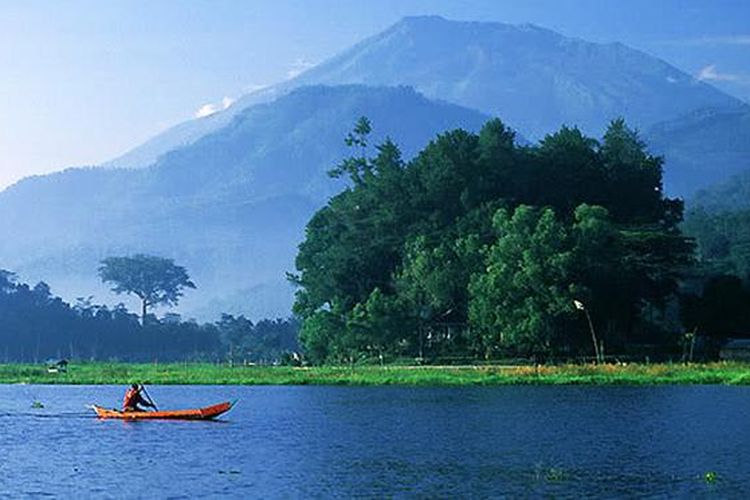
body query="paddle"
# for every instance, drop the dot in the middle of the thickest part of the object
(145, 393)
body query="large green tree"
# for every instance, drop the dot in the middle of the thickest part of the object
(154, 280)
(520, 301)
(408, 243)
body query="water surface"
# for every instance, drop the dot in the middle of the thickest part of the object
(381, 441)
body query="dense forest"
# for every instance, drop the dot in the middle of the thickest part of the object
(36, 326)
(719, 301)
(480, 247)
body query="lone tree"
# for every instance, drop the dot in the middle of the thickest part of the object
(154, 280)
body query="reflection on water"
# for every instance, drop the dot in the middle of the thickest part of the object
(384, 441)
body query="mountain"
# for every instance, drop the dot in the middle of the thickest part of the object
(704, 148)
(731, 195)
(533, 78)
(228, 195)
(231, 206)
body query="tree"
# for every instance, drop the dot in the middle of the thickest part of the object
(154, 280)
(569, 165)
(234, 333)
(444, 178)
(7, 281)
(356, 166)
(354, 243)
(635, 191)
(723, 241)
(526, 291)
(320, 333)
(721, 310)
(413, 242)
(498, 174)
(377, 325)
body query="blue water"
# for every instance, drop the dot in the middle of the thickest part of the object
(295, 442)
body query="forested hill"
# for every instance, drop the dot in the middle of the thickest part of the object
(703, 150)
(730, 195)
(230, 207)
(481, 248)
(719, 219)
(534, 78)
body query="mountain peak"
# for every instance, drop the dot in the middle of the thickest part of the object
(423, 19)
(434, 22)
(534, 78)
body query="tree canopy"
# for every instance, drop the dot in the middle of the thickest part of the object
(35, 325)
(154, 280)
(478, 245)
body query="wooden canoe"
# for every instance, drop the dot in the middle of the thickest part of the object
(205, 413)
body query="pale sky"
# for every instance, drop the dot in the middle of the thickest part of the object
(82, 81)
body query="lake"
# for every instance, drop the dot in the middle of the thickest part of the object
(286, 441)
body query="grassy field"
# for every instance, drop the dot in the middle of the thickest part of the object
(196, 373)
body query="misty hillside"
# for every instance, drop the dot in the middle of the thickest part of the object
(228, 195)
(704, 148)
(534, 78)
(730, 195)
(231, 207)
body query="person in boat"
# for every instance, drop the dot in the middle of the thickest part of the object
(134, 399)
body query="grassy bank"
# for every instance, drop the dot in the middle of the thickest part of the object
(196, 373)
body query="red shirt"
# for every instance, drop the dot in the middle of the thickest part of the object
(131, 399)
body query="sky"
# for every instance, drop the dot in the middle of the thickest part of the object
(83, 81)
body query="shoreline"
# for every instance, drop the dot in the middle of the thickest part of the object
(724, 373)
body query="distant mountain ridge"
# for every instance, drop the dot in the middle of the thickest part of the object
(703, 148)
(731, 195)
(231, 207)
(533, 78)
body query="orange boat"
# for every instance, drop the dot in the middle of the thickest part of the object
(205, 413)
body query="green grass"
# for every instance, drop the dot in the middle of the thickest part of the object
(197, 373)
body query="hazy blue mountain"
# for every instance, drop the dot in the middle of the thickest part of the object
(231, 207)
(730, 195)
(704, 148)
(228, 195)
(534, 78)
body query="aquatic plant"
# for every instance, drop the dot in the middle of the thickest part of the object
(555, 474)
(710, 477)
(549, 474)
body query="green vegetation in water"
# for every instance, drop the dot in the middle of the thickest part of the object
(551, 474)
(208, 374)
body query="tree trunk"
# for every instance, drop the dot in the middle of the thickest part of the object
(143, 312)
